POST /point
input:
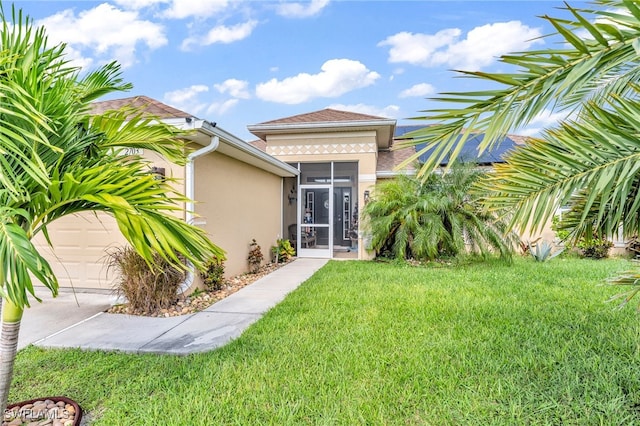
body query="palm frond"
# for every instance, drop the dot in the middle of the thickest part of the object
(128, 128)
(588, 70)
(145, 208)
(599, 152)
(21, 260)
(105, 80)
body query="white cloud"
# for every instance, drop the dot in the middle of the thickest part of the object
(480, 48)
(187, 99)
(422, 89)
(222, 34)
(138, 4)
(76, 59)
(181, 9)
(103, 33)
(544, 120)
(337, 76)
(220, 108)
(390, 111)
(417, 49)
(234, 87)
(301, 10)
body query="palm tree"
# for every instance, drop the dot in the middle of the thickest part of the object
(435, 217)
(56, 159)
(591, 75)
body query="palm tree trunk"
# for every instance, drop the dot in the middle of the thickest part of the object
(11, 318)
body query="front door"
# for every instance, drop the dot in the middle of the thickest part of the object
(315, 227)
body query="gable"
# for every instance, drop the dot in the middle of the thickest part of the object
(145, 103)
(327, 115)
(327, 121)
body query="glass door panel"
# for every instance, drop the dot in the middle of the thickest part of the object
(315, 236)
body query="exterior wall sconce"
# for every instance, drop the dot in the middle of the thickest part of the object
(158, 172)
(366, 197)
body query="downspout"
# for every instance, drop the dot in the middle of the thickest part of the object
(282, 210)
(190, 193)
(190, 176)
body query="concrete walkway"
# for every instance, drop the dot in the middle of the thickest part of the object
(199, 332)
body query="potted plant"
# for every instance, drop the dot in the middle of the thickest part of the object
(283, 251)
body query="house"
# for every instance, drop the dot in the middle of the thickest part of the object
(238, 188)
(341, 156)
(337, 155)
(305, 179)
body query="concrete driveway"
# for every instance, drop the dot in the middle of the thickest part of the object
(77, 320)
(54, 315)
(202, 331)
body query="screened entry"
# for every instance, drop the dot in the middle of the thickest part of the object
(326, 218)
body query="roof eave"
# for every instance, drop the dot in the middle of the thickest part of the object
(236, 148)
(384, 139)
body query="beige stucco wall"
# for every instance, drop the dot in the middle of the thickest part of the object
(357, 146)
(235, 203)
(352, 146)
(364, 238)
(289, 208)
(172, 171)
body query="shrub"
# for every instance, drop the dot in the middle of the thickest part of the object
(255, 257)
(542, 251)
(145, 288)
(438, 216)
(594, 248)
(283, 251)
(213, 273)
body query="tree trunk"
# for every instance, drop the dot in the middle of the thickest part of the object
(11, 317)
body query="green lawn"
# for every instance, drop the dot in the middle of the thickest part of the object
(371, 343)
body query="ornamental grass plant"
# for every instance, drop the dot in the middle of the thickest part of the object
(146, 289)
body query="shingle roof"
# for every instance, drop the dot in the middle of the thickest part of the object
(519, 140)
(325, 115)
(148, 105)
(388, 161)
(260, 144)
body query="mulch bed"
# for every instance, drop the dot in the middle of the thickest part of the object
(200, 300)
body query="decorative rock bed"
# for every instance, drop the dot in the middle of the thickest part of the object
(202, 300)
(53, 411)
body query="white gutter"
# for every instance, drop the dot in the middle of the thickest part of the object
(238, 144)
(190, 193)
(190, 176)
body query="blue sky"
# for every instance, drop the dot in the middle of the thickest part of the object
(239, 62)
